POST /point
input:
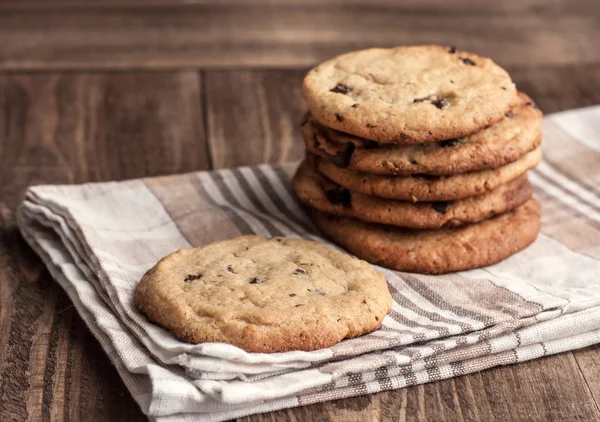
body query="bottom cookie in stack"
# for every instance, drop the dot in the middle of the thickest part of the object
(435, 251)
(426, 237)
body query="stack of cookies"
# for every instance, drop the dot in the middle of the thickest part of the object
(417, 158)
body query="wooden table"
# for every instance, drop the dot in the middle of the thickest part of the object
(100, 90)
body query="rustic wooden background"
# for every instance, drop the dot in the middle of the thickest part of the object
(94, 90)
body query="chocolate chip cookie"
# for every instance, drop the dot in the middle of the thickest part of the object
(264, 295)
(326, 196)
(409, 95)
(423, 187)
(435, 251)
(519, 132)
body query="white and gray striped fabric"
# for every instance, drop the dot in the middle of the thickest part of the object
(98, 239)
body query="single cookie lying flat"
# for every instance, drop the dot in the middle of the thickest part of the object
(409, 94)
(421, 187)
(435, 251)
(264, 295)
(506, 141)
(326, 196)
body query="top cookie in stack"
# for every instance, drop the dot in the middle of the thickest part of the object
(429, 143)
(409, 94)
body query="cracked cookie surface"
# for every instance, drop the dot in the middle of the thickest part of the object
(435, 251)
(422, 187)
(409, 94)
(324, 195)
(264, 295)
(519, 132)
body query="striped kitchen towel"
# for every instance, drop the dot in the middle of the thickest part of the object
(98, 239)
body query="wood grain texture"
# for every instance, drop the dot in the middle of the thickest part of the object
(559, 88)
(588, 360)
(547, 389)
(67, 128)
(71, 128)
(254, 116)
(69, 35)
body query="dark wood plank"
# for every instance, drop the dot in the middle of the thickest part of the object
(67, 128)
(557, 88)
(70, 128)
(68, 35)
(588, 360)
(548, 389)
(253, 116)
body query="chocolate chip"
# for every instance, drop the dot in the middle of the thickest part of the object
(440, 103)
(292, 294)
(510, 115)
(316, 142)
(368, 144)
(404, 137)
(230, 269)
(277, 239)
(441, 206)
(428, 177)
(467, 61)
(339, 196)
(339, 117)
(319, 292)
(413, 161)
(192, 277)
(449, 143)
(452, 50)
(388, 164)
(341, 89)
(370, 126)
(342, 158)
(354, 105)
(255, 280)
(299, 271)
(298, 305)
